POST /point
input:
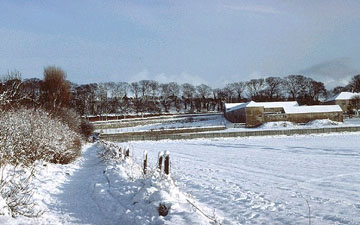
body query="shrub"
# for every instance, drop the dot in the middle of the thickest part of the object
(86, 128)
(28, 135)
(72, 119)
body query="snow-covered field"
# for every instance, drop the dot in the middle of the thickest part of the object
(171, 123)
(255, 180)
(267, 180)
(219, 120)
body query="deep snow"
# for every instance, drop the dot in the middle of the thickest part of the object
(255, 180)
(94, 191)
(265, 180)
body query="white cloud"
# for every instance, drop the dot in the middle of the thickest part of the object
(166, 78)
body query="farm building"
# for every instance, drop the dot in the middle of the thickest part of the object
(256, 113)
(344, 99)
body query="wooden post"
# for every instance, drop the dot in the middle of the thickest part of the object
(167, 163)
(127, 152)
(145, 161)
(160, 161)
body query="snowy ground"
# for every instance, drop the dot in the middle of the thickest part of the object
(219, 120)
(255, 180)
(172, 123)
(91, 191)
(267, 180)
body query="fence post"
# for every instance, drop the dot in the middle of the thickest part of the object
(127, 152)
(160, 160)
(167, 163)
(145, 161)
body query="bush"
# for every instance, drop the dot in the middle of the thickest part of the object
(86, 128)
(72, 119)
(28, 135)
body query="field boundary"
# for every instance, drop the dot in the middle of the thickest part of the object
(141, 136)
(145, 121)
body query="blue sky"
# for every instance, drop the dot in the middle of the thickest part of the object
(197, 41)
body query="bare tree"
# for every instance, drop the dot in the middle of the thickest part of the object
(315, 90)
(238, 88)
(145, 88)
(255, 88)
(229, 92)
(355, 104)
(295, 86)
(188, 91)
(273, 88)
(154, 89)
(338, 90)
(175, 91)
(165, 96)
(55, 89)
(135, 89)
(204, 92)
(122, 89)
(355, 83)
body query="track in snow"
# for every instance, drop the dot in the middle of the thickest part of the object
(260, 180)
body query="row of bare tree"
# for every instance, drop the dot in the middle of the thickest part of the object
(149, 96)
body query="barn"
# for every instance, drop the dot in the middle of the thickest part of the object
(253, 114)
(343, 99)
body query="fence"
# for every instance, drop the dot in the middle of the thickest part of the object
(183, 136)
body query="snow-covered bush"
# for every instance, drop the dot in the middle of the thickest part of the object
(111, 152)
(72, 119)
(28, 135)
(16, 191)
(151, 198)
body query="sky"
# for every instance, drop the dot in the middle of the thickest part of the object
(197, 41)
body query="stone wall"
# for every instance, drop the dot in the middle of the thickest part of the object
(276, 117)
(307, 117)
(236, 116)
(274, 110)
(254, 116)
(344, 104)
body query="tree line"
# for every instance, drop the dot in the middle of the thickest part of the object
(149, 96)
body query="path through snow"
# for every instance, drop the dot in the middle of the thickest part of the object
(92, 191)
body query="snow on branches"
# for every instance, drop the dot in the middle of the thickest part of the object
(28, 135)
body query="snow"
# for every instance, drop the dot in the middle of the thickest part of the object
(188, 122)
(278, 124)
(283, 125)
(94, 191)
(312, 124)
(290, 107)
(312, 109)
(322, 123)
(235, 106)
(264, 180)
(220, 120)
(343, 96)
(277, 104)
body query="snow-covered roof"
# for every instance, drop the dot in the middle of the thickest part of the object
(277, 104)
(343, 96)
(231, 105)
(234, 106)
(312, 109)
